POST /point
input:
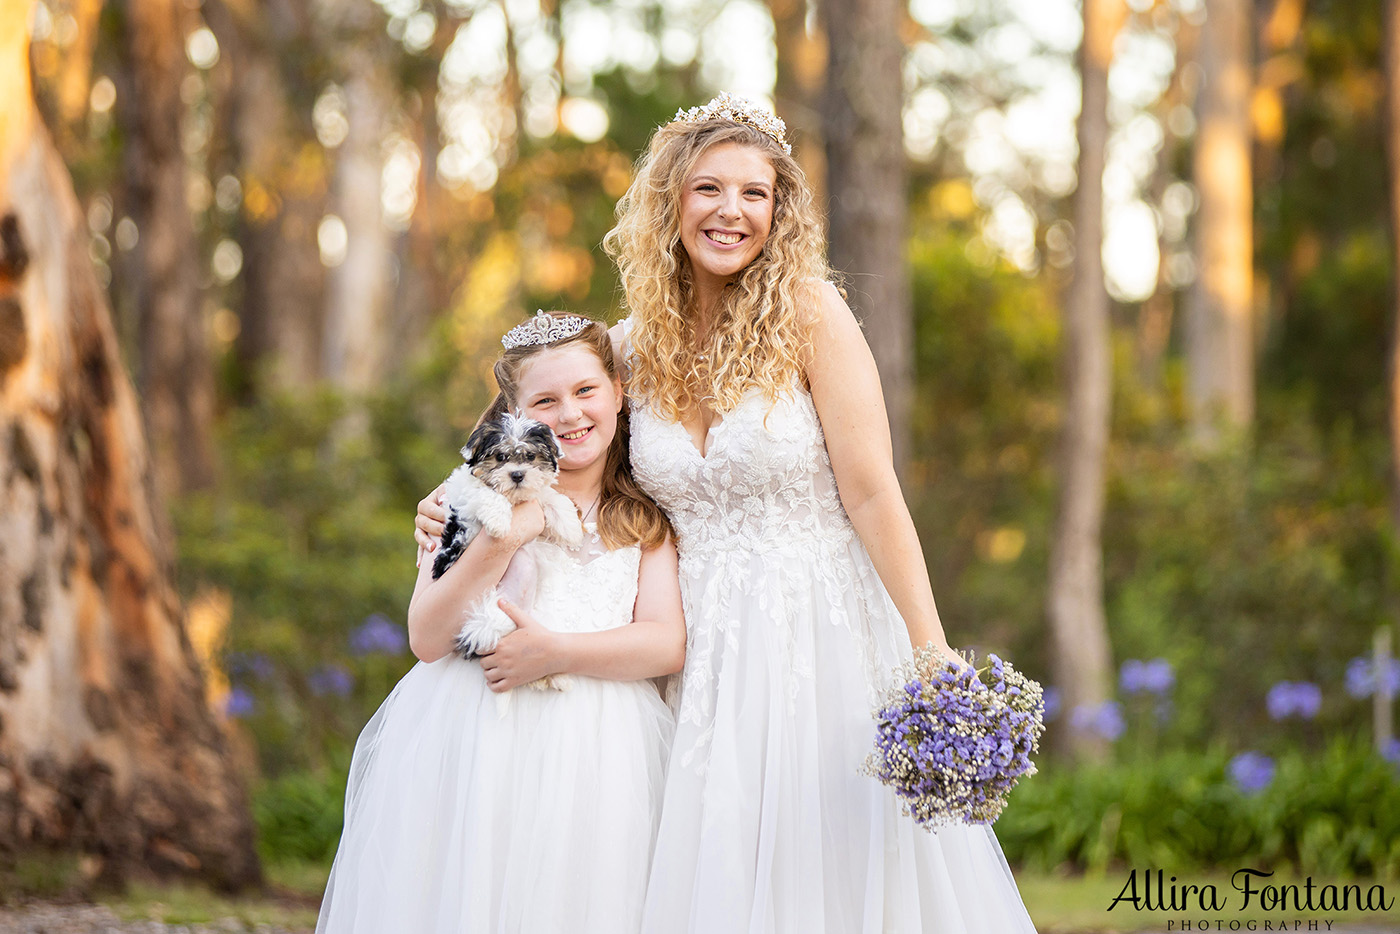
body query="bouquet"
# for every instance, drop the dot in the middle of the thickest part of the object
(951, 746)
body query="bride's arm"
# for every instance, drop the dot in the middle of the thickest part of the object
(653, 644)
(435, 612)
(845, 388)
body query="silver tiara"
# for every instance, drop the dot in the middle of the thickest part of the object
(738, 110)
(544, 329)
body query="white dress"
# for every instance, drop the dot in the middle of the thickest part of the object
(768, 824)
(462, 818)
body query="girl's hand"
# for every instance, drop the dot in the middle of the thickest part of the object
(430, 520)
(522, 656)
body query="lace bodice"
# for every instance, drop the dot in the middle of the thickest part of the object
(586, 589)
(764, 483)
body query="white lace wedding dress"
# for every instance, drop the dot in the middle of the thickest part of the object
(461, 818)
(768, 824)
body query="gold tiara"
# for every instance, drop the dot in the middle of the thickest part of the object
(544, 329)
(738, 110)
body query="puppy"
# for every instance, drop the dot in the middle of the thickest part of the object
(508, 461)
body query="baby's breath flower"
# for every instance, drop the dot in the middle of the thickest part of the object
(951, 745)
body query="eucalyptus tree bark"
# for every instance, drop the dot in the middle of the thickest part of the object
(106, 744)
(358, 289)
(279, 163)
(863, 123)
(1391, 53)
(1220, 315)
(175, 373)
(1079, 632)
(797, 91)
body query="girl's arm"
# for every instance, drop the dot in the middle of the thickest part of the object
(846, 391)
(652, 644)
(436, 610)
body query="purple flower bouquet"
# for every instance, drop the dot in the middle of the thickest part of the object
(951, 745)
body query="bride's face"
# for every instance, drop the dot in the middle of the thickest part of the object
(726, 209)
(569, 391)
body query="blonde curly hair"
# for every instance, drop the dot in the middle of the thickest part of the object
(762, 325)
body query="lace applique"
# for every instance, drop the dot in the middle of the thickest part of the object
(761, 532)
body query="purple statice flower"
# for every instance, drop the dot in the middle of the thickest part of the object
(1294, 698)
(1104, 719)
(1251, 771)
(1051, 701)
(239, 702)
(953, 745)
(252, 666)
(330, 679)
(378, 635)
(1151, 677)
(1363, 677)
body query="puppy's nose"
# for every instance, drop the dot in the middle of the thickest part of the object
(517, 475)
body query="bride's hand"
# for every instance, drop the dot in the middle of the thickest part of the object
(522, 656)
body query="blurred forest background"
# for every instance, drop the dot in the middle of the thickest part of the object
(1135, 330)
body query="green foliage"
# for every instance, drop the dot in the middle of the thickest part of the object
(309, 532)
(299, 816)
(1330, 812)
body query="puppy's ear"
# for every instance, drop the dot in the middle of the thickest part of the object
(479, 441)
(540, 433)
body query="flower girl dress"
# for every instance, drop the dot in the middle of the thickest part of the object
(537, 817)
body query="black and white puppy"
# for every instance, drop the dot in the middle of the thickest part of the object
(508, 460)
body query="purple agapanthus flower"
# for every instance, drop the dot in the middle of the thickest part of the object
(1251, 771)
(239, 703)
(1364, 677)
(251, 666)
(1150, 677)
(953, 745)
(335, 680)
(1294, 698)
(1104, 719)
(378, 635)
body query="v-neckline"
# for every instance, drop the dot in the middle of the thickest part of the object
(708, 440)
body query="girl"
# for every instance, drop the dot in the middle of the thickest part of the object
(459, 818)
(759, 426)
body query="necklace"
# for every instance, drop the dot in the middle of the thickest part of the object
(584, 514)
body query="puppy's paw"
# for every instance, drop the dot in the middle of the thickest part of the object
(558, 682)
(561, 518)
(483, 629)
(495, 514)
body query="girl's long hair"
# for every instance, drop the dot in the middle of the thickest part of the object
(626, 515)
(762, 326)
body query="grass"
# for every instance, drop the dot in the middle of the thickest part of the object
(1061, 904)
(290, 900)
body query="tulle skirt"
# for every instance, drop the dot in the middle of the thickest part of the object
(462, 818)
(770, 825)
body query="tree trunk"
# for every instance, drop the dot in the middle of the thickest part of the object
(176, 376)
(106, 745)
(358, 290)
(280, 167)
(1220, 317)
(797, 92)
(863, 123)
(1075, 604)
(1391, 53)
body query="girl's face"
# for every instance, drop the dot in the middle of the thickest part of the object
(726, 210)
(569, 391)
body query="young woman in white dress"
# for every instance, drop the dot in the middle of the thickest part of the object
(759, 427)
(539, 817)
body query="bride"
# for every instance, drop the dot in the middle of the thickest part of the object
(759, 427)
